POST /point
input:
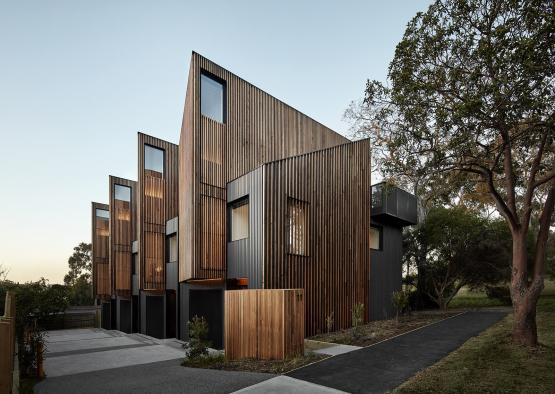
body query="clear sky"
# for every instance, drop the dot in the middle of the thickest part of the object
(78, 79)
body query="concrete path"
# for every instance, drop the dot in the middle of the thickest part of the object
(285, 384)
(166, 377)
(385, 365)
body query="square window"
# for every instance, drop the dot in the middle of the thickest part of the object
(375, 237)
(154, 159)
(122, 193)
(102, 213)
(212, 93)
(239, 219)
(297, 227)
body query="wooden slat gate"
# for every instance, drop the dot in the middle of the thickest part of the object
(264, 324)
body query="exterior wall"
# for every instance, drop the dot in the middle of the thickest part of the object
(385, 271)
(100, 253)
(122, 235)
(245, 256)
(157, 203)
(258, 128)
(335, 183)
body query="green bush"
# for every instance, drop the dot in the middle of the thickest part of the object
(197, 347)
(357, 314)
(500, 293)
(400, 301)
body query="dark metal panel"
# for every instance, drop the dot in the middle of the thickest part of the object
(245, 256)
(155, 316)
(124, 315)
(394, 205)
(171, 276)
(385, 272)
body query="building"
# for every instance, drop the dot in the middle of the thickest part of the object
(100, 256)
(256, 195)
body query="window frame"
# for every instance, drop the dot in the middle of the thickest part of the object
(116, 185)
(289, 245)
(380, 237)
(222, 82)
(168, 248)
(102, 217)
(163, 159)
(237, 203)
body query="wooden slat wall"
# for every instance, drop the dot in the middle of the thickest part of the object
(122, 234)
(157, 202)
(264, 324)
(336, 185)
(100, 253)
(258, 128)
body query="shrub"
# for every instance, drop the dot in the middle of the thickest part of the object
(197, 346)
(357, 318)
(329, 322)
(501, 293)
(400, 301)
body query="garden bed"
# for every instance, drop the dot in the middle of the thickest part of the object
(377, 331)
(251, 365)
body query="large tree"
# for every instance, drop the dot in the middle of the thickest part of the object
(80, 264)
(470, 101)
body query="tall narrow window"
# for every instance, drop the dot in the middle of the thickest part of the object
(297, 227)
(122, 193)
(212, 96)
(154, 161)
(375, 238)
(239, 219)
(172, 248)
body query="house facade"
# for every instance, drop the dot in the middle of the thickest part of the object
(256, 195)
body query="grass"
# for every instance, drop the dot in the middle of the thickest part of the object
(472, 299)
(377, 331)
(252, 365)
(490, 363)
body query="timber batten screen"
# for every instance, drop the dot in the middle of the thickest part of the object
(100, 252)
(156, 204)
(257, 128)
(122, 232)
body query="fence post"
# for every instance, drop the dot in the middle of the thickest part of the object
(7, 344)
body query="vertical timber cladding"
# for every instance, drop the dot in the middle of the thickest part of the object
(334, 184)
(157, 203)
(258, 128)
(102, 287)
(122, 233)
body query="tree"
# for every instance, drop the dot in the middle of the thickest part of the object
(471, 100)
(80, 264)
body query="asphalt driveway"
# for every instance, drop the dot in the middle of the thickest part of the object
(384, 366)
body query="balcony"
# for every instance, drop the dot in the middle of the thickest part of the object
(393, 205)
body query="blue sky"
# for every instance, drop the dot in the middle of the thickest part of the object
(78, 79)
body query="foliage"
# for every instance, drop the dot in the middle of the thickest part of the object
(329, 322)
(357, 315)
(79, 277)
(471, 107)
(197, 347)
(501, 293)
(400, 300)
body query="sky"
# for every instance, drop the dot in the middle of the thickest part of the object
(79, 79)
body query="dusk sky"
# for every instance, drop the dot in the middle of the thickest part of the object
(78, 79)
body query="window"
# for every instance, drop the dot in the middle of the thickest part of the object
(154, 159)
(122, 193)
(135, 264)
(377, 196)
(297, 227)
(239, 219)
(102, 213)
(212, 94)
(375, 238)
(172, 248)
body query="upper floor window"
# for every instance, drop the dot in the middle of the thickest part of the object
(154, 159)
(212, 93)
(102, 213)
(375, 238)
(172, 248)
(122, 193)
(297, 226)
(239, 219)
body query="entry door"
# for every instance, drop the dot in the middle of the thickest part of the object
(208, 303)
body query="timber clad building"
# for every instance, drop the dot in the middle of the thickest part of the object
(256, 195)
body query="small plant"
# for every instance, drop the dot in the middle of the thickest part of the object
(400, 301)
(197, 347)
(329, 322)
(357, 318)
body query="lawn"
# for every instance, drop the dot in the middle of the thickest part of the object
(489, 363)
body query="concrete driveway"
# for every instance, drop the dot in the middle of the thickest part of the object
(101, 361)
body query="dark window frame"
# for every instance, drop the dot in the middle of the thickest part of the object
(101, 217)
(234, 205)
(380, 239)
(163, 159)
(168, 245)
(130, 193)
(222, 82)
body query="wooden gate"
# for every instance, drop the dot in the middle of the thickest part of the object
(264, 324)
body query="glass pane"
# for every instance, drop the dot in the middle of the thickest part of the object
(375, 238)
(211, 98)
(297, 227)
(154, 159)
(172, 253)
(240, 221)
(377, 198)
(102, 213)
(122, 193)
